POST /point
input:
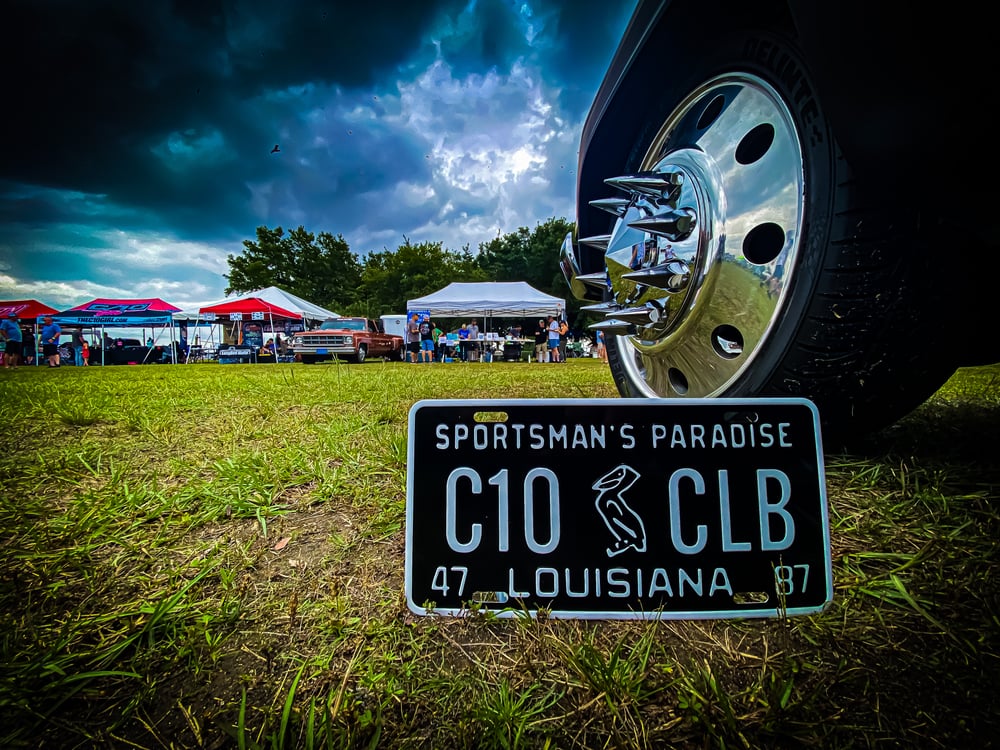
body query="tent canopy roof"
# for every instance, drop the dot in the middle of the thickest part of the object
(25, 309)
(125, 306)
(268, 300)
(118, 312)
(502, 299)
(250, 305)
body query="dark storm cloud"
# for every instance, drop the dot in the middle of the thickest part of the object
(96, 86)
(138, 122)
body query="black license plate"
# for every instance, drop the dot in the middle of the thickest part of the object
(617, 508)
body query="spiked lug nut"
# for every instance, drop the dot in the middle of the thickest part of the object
(674, 225)
(671, 277)
(600, 241)
(598, 280)
(649, 183)
(639, 315)
(613, 326)
(602, 308)
(614, 206)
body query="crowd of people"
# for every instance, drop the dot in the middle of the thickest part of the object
(551, 338)
(425, 341)
(18, 346)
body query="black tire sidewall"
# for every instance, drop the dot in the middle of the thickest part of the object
(774, 58)
(847, 225)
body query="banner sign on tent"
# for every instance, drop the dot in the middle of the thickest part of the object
(110, 312)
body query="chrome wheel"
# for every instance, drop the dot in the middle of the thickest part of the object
(705, 242)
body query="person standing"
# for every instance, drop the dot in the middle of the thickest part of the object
(413, 337)
(463, 342)
(79, 342)
(563, 339)
(426, 341)
(28, 346)
(50, 341)
(541, 342)
(11, 332)
(438, 334)
(474, 347)
(602, 353)
(553, 328)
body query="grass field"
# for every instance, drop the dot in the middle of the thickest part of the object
(209, 556)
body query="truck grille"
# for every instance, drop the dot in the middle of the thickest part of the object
(321, 341)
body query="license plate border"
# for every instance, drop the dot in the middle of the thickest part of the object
(518, 610)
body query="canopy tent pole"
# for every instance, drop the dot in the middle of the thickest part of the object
(270, 316)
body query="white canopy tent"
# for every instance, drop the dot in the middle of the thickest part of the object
(273, 296)
(271, 304)
(488, 299)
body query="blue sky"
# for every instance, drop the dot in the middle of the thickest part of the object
(139, 137)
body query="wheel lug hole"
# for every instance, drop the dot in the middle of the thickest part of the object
(711, 112)
(763, 243)
(727, 341)
(755, 144)
(677, 381)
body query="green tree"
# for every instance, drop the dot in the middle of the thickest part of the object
(531, 256)
(320, 268)
(391, 277)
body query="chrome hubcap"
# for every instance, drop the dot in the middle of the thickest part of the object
(705, 241)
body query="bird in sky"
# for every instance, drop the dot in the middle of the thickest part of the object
(275, 149)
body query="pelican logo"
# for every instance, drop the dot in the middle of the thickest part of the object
(624, 523)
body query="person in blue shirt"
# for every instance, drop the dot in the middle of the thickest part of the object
(463, 342)
(553, 339)
(11, 333)
(602, 352)
(50, 340)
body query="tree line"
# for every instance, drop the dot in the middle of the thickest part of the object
(322, 268)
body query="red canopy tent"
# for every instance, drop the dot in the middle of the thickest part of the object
(121, 313)
(130, 313)
(26, 309)
(251, 309)
(247, 309)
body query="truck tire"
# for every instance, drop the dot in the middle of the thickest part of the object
(768, 267)
(362, 353)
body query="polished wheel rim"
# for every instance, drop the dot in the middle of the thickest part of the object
(704, 247)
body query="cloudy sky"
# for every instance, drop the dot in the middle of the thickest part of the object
(139, 138)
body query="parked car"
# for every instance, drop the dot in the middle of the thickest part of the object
(348, 339)
(790, 198)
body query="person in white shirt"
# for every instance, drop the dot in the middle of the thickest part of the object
(553, 339)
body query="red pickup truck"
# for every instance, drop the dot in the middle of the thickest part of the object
(350, 339)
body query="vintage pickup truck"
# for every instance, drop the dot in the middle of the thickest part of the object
(350, 339)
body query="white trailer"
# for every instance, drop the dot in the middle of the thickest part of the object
(394, 324)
